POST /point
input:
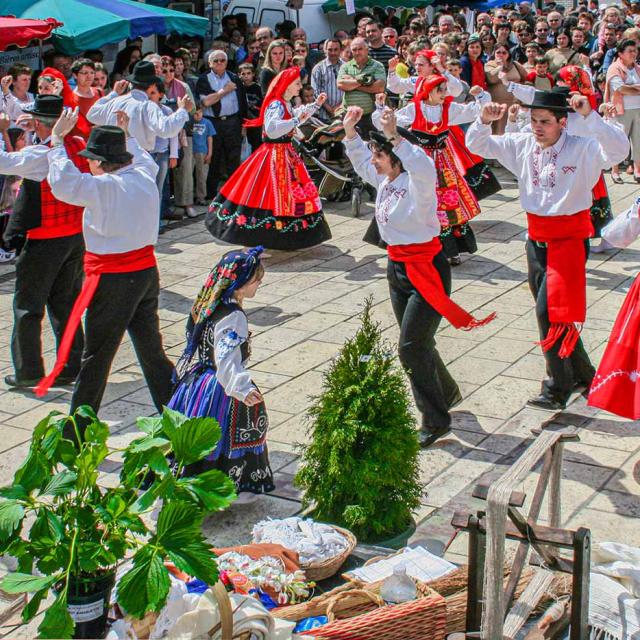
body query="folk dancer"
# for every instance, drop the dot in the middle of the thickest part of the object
(616, 386)
(556, 172)
(212, 377)
(48, 230)
(270, 199)
(418, 273)
(121, 286)
(429, 116)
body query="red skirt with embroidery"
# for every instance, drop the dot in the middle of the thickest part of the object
(616, 386)
(269, 200)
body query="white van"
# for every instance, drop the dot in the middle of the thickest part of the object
(317, 24)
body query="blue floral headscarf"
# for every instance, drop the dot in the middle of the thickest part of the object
(234, 270)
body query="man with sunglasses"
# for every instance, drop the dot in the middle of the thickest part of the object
(524, 35)
(225, 104)
(542, 35)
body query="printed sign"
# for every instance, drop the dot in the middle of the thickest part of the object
(29, 56)
(86, 612)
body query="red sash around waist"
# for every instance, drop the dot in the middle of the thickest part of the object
(418, 261)
(566, 274)
(94, 266)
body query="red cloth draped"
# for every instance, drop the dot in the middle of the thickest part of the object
(615, 386)
(418, 261)
(478, 76)
(566, 274)
(94, 266)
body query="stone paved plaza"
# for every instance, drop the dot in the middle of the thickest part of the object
(305, 309)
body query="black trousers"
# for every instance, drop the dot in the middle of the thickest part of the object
(434, 390)
(123, 302)
(562, 373)
(48, 276)
(227, 148)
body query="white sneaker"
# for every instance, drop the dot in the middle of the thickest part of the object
(7, 256)
(191, 212)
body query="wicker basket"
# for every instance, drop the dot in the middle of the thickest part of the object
(328, 568)
(357, 612)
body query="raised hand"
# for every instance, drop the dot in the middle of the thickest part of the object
(185, 103)
(389, 123)
(122, 121)
(580, 104)
(321, 99)
(5, 122)
(608, 110)
(351, 119)
(393, 63)
(121, 86)
(5, 83)
(514, 110)
(25, 121)
(66, 122)
(57, 86)
(381, 99)
(475, 91)
(492, 111)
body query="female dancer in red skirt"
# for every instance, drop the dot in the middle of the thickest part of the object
(431, 116)
(270, 199)
(616, 386)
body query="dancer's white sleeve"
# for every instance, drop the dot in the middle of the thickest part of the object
(625, 228)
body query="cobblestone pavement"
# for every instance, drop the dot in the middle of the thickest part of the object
(303, 312)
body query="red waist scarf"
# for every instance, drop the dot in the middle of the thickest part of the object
(94, 266)
(566, 274)
(418, 261)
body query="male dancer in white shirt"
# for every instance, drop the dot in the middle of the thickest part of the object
(120, 228)
(418, 273)
(556, 172)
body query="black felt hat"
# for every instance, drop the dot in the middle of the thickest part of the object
(144, 74)
(107, 144)
(45, 107)
(551, 100)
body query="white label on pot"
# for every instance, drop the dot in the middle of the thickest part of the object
(86, 612)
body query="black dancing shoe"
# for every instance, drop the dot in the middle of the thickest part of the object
(548, 404)
(427, 437)
(12, 381)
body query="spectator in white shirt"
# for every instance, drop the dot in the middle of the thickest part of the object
(15, 91)
(324, 78)
(147, 121)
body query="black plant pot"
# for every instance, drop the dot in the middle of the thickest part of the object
(88, 601)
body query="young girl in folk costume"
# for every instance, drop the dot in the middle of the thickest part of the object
(270, 200)
(430, 116)
(217, 385)
(616, 385)
(572, 80)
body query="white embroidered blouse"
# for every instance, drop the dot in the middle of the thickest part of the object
(275, 125)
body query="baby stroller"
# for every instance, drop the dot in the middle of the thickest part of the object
(323, 153)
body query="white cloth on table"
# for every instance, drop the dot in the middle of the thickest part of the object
(313, 541)
(121, 208)
(556, 180)
(146, 119)
(405, 207)
(228, 335)
(408, 85)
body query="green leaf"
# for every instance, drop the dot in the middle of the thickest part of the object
(213, 489)
(14, 492)
(57, 622)
(47, 530)
(171, 420)
(146, 585)
(34, 471)
(158, 463)
(11, 515)
(97, 431)
(61, 484)
(196, 559)
(194, 439)
(144, 444)
(151, 426)
(21, 582)
(178, 523)
(31, 608)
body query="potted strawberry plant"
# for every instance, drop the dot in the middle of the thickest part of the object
(80, 530)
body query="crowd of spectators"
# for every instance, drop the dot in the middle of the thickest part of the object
(226, 83)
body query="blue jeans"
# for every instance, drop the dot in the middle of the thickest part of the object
(162, 160)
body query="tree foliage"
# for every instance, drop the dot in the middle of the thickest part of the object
(361, 468)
